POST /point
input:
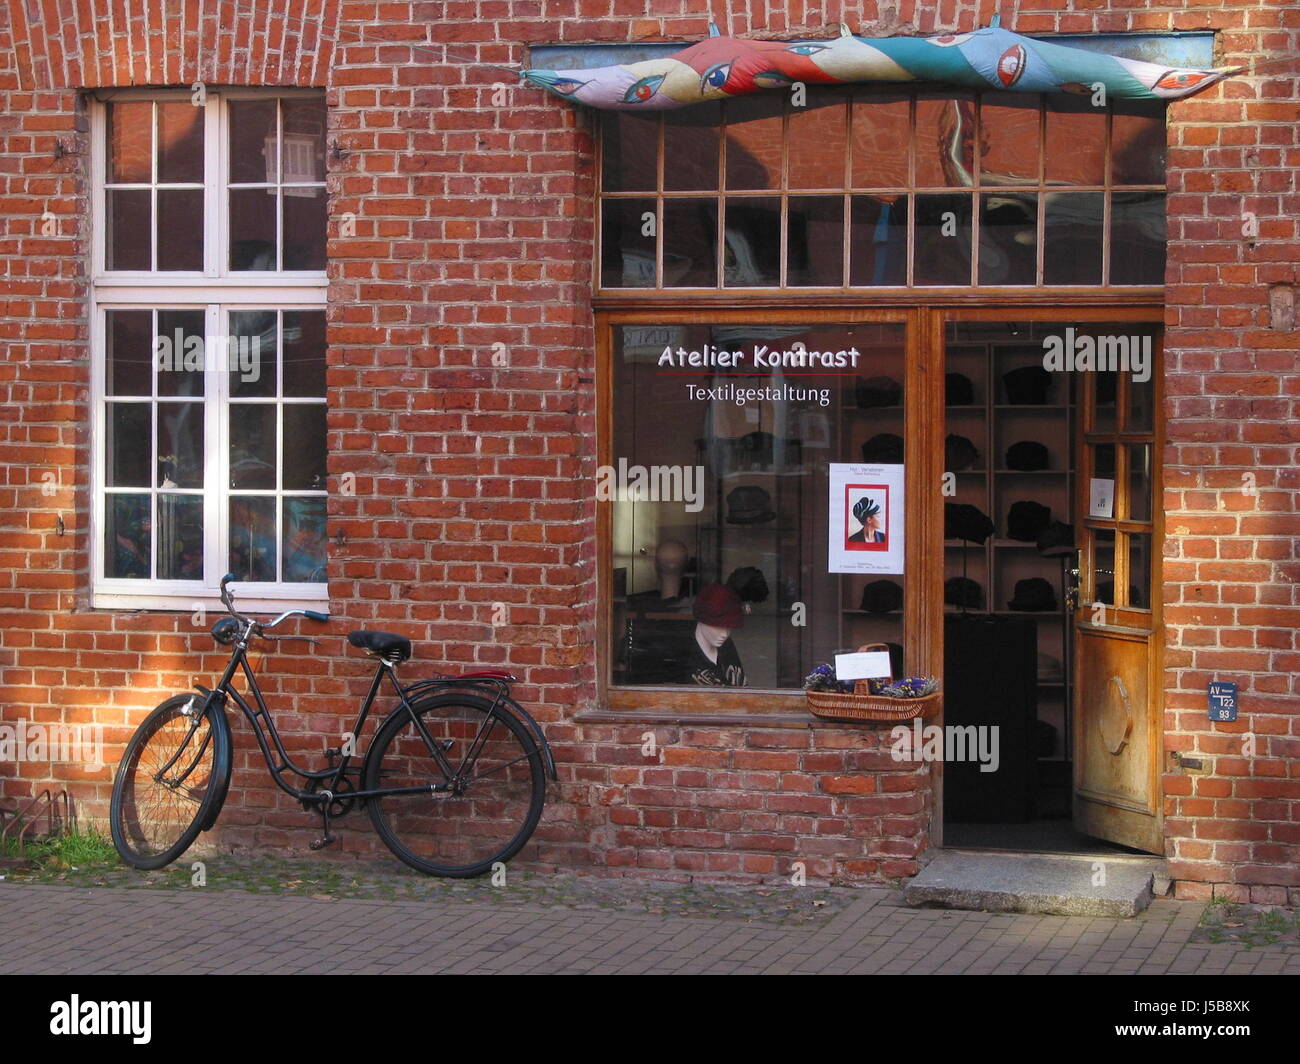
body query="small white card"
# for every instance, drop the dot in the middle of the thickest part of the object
(1101, 498)
(867, 665)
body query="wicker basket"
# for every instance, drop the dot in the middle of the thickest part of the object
(862, 705)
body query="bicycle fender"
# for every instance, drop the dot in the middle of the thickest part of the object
(223, 754)
(547, 757)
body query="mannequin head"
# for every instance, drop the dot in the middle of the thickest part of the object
(670, 562)
(711, 635)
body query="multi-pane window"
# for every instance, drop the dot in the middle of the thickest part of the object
(209, 303)
(870, 188)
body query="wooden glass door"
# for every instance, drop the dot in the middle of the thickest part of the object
(1117, 626)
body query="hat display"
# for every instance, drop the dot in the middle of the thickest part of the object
(1027, 455)
(958, 390)
(1033, 595)
(1056, 539)
(869, 392)
(1027, 519)
(749, 583)
(749, 505)
(754, 449)
(959, 591)
(959, 453)
(882, 596)
(717, 605)
(1027, 386)
(963, 521)
(885, 447)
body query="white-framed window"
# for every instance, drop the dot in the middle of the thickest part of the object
(208, 342)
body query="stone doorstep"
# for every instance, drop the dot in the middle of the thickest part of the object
(1050, 884)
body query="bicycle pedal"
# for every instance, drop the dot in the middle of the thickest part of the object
(321, 843)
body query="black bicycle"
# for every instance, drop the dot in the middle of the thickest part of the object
(454, 779)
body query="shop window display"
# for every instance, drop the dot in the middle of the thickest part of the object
(728, 584)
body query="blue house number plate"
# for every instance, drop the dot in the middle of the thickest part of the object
(1223, 700)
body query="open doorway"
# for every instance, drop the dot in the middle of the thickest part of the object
(1035, 503)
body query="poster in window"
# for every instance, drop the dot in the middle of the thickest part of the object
(866, 518)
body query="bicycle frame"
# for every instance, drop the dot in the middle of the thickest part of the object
(263, 725)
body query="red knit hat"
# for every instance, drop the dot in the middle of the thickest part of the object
(719, 606)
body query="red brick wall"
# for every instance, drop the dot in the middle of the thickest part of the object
(473, 227)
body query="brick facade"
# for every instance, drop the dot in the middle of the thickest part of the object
(473, 483)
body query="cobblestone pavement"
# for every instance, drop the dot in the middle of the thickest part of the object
(53, 928)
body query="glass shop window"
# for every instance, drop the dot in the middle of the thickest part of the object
(748, 473)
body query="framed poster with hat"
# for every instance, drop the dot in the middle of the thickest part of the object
(866, 518)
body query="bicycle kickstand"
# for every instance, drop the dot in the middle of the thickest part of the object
(326, 838)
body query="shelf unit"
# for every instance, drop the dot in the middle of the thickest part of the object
(993, 424)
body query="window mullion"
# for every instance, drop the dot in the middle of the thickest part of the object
(215, 477)
(214, 243)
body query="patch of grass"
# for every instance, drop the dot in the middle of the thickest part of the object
(1272, 921)
(77, 849)
(83, 849)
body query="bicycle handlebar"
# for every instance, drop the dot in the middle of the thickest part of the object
(228, 599)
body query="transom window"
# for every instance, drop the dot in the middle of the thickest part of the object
(209, 343)
(876, 188)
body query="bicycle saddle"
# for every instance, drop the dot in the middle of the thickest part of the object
(382, 644)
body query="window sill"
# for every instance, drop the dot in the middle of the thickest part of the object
(268, 600)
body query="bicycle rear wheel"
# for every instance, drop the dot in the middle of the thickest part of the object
(493, 799)
(173, 771)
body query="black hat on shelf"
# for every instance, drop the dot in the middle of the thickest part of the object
(754, 448)
(885, 447)
(958, 390)
(882, 596)
(1027, 386)
(870, 392)
(963, 521)
(1056, 539)
(749, 583)
(1033, 595)
(1027, 519)
(959, 591)
(959, 453)
(749, 505)
(1027, 455)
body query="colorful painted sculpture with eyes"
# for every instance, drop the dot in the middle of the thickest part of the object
(721, 67)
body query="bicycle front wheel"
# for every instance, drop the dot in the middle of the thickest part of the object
(489, 779)
(172, 772)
